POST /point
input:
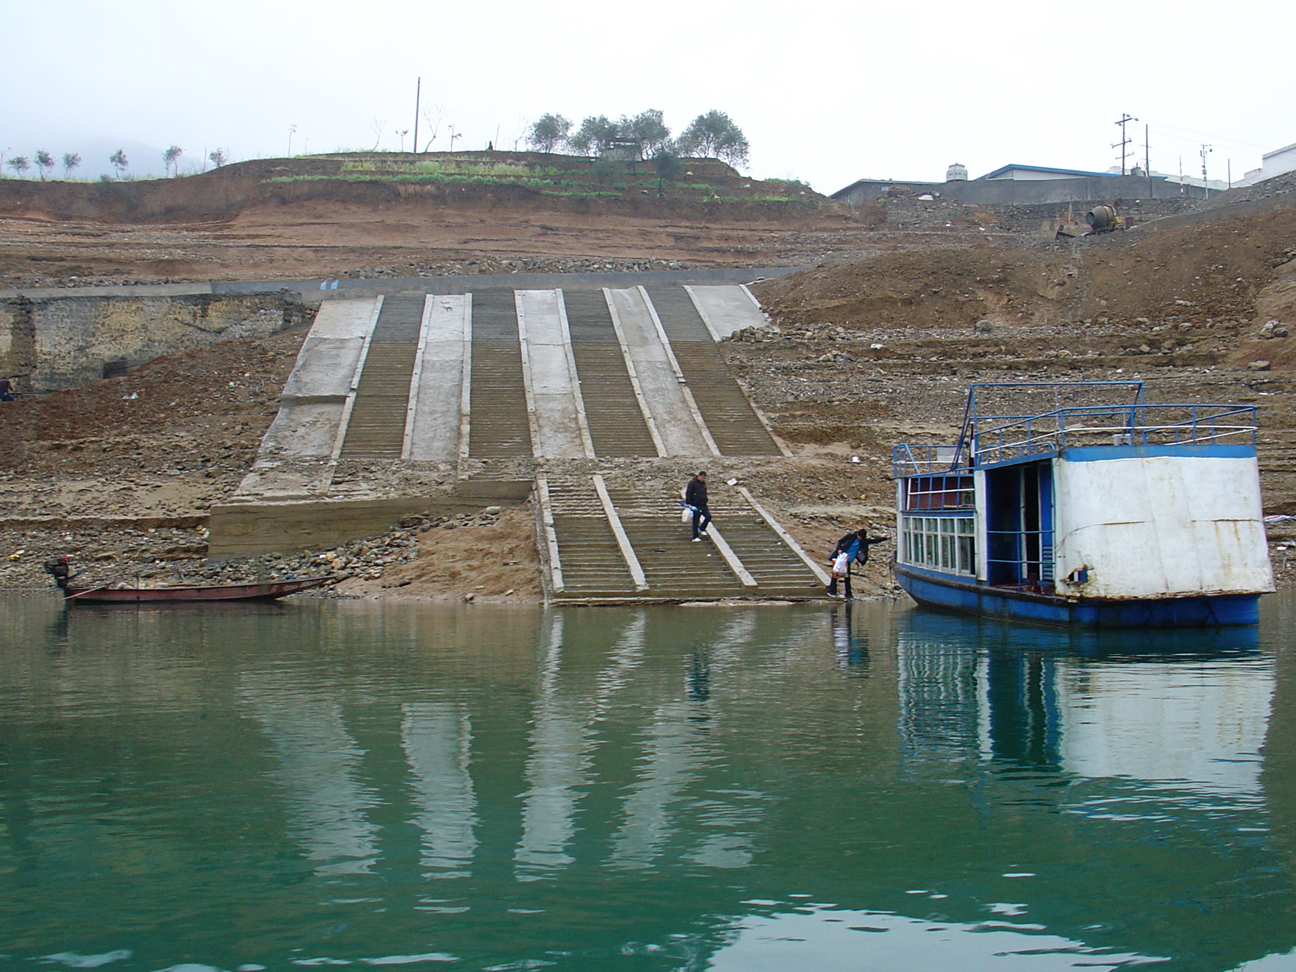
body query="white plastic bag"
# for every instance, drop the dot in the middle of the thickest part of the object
(686, 515)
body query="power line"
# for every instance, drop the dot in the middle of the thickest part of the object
(1194, 136)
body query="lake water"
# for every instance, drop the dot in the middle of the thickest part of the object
(351, 784)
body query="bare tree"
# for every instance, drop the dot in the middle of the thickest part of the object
(70, 161)
(433, 117)
(20, 164)
(402, 132)
(378, 125)
(171, 158)
(218, 157)
(119, 162)
(44, 162)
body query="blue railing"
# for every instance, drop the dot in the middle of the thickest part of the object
(1138, 425)
(993, 435)
(922, 460)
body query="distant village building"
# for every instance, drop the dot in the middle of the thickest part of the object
(1037, 173)
(1027, 185)
(1272, 164)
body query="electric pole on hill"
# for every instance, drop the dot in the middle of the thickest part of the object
(1124, 142)
(1205, 150)
(418, 90)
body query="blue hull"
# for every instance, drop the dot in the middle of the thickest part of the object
(956, 594)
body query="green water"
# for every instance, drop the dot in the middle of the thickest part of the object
(345, 784)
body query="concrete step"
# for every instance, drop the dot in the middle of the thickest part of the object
(775, 566)
(376, 429)
(498, 423)
(593, 566)
(724, 406)
(616, 422)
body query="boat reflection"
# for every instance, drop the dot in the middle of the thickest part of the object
(1175, 706)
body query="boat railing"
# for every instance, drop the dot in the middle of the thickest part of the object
(922, 460)
(1020, 437)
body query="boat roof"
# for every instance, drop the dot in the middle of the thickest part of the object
(1010, 422)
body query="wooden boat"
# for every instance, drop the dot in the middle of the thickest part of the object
(191, 593)
(1078, 503)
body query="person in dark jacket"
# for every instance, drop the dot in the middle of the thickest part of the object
(60, 570)
(856, 548)
(695, 496)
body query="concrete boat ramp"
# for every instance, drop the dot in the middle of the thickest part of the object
(598, 402)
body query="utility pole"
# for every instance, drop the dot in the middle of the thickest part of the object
(1205, 149)
(1147, 159)
(418, 90)
(1124, 119)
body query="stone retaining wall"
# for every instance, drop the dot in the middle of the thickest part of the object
(53, 342)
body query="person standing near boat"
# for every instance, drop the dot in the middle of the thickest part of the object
(60, 570)
(852, 548)
(695, 497)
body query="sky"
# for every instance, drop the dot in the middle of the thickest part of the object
(827, 92)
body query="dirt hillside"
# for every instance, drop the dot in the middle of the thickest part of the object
(873, 345)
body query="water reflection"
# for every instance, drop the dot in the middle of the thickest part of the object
(852, 787)
(1190, 708)
(317, 768)
(437, 740)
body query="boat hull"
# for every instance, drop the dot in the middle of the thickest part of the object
(933, 589)
(191, 594)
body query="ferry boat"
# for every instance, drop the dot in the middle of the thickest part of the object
(1079, 503)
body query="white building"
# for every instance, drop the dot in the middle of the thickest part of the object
(1274, 163)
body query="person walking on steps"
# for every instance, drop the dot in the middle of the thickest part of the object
(695, 497)
(852, 548)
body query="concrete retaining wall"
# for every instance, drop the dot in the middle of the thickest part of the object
(244, 529)
(1012, 192)
(49, 343)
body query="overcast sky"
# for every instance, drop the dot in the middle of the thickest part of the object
(825, 91)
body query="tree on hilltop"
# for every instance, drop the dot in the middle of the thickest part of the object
(648, 129)
(595, 135)
(44, 162)
(218, 157)
(20, 164)
(714, 135)
(171, 158)
(70, 161)
(549, 132)
(119, 162)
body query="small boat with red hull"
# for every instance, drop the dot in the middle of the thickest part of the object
(192, 593)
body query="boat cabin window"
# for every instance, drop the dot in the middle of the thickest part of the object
(946, 543)
(938, 493)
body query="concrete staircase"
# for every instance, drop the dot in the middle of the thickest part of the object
(500, 426)
(733, 423)
(376, 429)
(634, 545)
(488, 388)
(616, 422)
